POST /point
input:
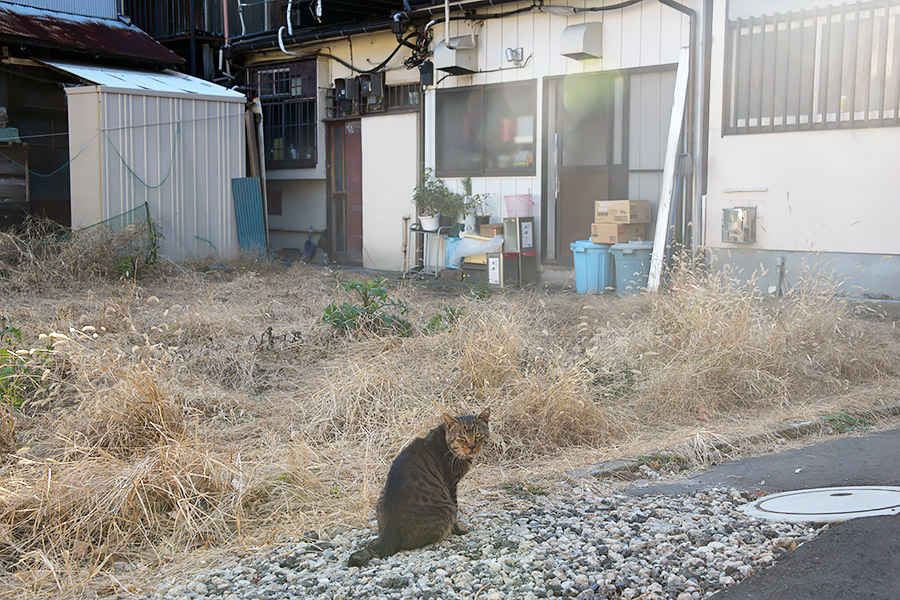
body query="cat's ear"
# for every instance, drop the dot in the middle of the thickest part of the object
(448, 420)
(485, 415)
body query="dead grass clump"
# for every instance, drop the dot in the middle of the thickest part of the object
(550, 410)
(41, 254)
(713, 344)
(133, 416)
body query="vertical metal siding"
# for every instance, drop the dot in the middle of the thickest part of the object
(104, 9)
(179, 155)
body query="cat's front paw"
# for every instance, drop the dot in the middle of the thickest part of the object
(459, 529)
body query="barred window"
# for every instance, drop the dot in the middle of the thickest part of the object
(834, 67)
(287, 93)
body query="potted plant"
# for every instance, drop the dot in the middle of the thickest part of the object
(434, 199)
(475, 206)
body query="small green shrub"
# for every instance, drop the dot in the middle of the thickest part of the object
(481, 290)
(371, 312)
(448, 317)
(20, 374)
(845, 423)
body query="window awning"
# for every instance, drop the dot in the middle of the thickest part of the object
(130, 79)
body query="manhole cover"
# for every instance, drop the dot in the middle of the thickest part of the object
(827, 505)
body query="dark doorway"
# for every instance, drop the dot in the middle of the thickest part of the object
(587, 151)
(345, 191)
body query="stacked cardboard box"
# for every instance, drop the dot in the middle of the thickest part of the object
(617, 221)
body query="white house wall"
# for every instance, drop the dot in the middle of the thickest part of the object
(647, 34)
(833, 192)
(303, 191)
(389, 177)
(178, 153)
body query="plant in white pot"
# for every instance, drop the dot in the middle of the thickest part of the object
(476, 207)
(432, 199)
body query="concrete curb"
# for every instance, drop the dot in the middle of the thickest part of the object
(790, 430)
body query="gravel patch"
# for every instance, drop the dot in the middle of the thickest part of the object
(572, 543)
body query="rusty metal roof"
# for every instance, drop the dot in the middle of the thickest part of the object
(50, 29)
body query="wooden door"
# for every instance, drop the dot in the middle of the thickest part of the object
(590, 132)
(345, 191)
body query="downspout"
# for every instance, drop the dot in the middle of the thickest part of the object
(690, 144)
(699, 238)
(447, 26)
(193, 42)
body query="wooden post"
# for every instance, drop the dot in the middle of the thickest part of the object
(665, 199)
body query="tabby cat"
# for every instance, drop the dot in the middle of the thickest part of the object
(417, 506)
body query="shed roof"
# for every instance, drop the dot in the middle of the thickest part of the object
(165, 82)
(40, 27)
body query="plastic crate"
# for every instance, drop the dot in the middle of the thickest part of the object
(450, 244)
(593, 267)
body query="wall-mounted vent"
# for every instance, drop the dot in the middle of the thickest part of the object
(739, 225)
(461, 59)
(582, 41)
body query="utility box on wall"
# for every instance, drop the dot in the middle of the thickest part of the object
(461, 59)
(739, 225)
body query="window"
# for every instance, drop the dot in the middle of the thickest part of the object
(815, 69)
(486, 130)
(288, 96)
(403, 97)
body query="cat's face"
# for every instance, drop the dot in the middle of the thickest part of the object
(467, 434)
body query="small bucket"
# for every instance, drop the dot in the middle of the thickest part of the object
(519, 205)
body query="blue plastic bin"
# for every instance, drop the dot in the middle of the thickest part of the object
(632, 266)
(593, 267)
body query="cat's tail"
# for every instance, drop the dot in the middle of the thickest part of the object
(380, 547)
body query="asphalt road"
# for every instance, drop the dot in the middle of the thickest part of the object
(857, 559)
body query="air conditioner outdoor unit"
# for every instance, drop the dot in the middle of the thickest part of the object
(739, 225)
(461, 59)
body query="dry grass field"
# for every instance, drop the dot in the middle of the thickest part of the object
(193, 411)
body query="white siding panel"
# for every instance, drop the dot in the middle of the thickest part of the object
(651, 18)
(631, 37)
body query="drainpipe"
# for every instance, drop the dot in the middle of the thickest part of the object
(691, 214)
(193, 18)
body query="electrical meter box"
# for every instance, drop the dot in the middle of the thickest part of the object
(371, 87)
(739, 225)
(346, 92)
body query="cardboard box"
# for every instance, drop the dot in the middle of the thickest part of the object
(622, 211)
(614, 233)
(491, 229)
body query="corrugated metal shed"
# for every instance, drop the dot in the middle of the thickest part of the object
(176, 150)
(130, 79)
(92, 35)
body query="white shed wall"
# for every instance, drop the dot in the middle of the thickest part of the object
(178, 153)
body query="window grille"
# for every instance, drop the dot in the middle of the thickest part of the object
(834, 67)
(403, 97)
(287, 93)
